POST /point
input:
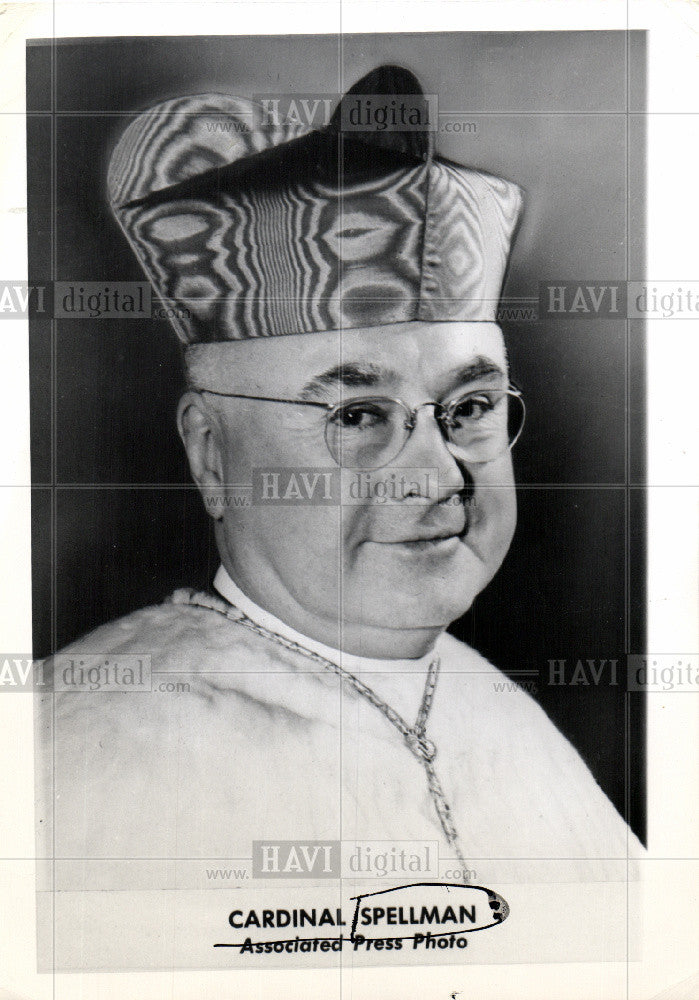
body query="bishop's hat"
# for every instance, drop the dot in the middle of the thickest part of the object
(248, 225)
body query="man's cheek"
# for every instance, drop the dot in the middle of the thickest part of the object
(308, 535)
(495, 526)
(248, 455)
(508, 515)
(494, 496)
(329, 542)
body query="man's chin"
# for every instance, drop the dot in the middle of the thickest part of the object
(390, 612)
(434, 595)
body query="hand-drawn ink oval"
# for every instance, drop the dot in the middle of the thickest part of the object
(438, 907)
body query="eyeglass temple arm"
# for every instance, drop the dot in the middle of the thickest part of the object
(267, 399)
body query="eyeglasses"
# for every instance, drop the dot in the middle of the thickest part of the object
(369, 432)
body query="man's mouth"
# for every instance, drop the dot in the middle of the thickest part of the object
(433, 536)
(429, 542)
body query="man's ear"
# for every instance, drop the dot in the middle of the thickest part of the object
(201, 435)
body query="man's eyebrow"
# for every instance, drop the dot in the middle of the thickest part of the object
(353, 375)
(478, 368)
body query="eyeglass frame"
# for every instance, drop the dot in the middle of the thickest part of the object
(442, 413)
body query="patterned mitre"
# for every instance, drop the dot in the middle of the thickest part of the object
(251, 227)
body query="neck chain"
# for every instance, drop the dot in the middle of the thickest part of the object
(414, 736)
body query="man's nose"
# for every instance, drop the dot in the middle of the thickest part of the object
(428, 448)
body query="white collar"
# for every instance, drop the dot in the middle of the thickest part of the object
(399, 682)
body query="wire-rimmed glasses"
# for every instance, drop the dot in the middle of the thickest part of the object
(369, 432)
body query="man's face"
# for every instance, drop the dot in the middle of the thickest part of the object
(411, 563)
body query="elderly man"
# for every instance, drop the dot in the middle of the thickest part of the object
(339, 295)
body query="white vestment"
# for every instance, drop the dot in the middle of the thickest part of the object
(259, 742)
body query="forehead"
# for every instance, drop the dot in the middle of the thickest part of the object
(409, 351)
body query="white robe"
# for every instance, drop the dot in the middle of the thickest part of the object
(266, 744)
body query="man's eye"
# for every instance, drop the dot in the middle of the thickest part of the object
(475, 407)
(361, 416)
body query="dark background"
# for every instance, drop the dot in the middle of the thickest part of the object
(116, 523)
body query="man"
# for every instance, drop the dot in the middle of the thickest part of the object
(337, 297)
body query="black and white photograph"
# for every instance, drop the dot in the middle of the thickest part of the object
(344, 601)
